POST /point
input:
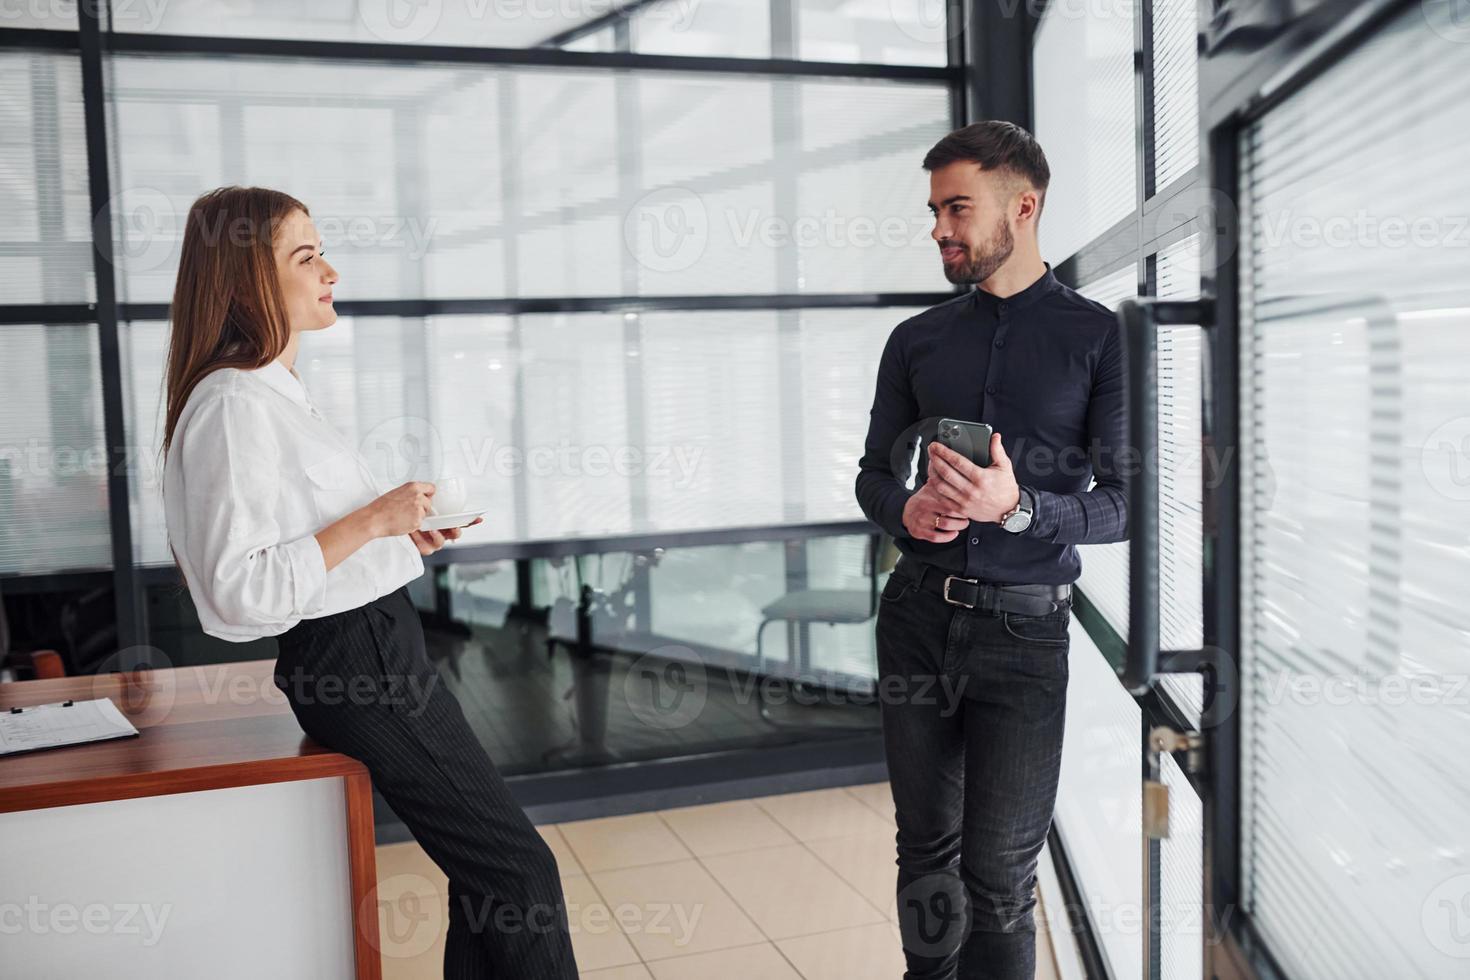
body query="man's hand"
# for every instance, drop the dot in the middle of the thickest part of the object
(921, 512)
(429, 542)
(978, 494)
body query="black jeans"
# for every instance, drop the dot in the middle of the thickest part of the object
(973, 705)
(360, 683)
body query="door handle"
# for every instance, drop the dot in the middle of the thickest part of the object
(1139, 321)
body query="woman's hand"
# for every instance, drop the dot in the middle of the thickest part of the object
(429, 542)
(400, 510)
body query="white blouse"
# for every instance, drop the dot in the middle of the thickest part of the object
(254, 471)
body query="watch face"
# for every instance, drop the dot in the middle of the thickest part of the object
(1019, 521)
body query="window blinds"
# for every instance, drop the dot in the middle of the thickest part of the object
(1104, 579)
(1355, 343)
(1181, 547)
(1176, 90)
(1085, 121)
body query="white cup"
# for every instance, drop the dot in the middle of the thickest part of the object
(449, 495)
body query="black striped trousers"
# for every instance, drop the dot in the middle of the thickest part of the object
(360, 683)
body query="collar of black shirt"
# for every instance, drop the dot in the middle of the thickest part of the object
(995, 304)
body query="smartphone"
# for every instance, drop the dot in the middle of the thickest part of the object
(970, 439)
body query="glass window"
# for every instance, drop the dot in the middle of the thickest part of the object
(478, 24)
(881, 32)
(1176, 90)
(729, 28)
(1085, 121)
(1104, 578)
(45, 223)
(1355, 339)
(572, 425)
(53, 455)
(463, 182)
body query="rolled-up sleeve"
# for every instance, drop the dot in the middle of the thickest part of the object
(231, 469)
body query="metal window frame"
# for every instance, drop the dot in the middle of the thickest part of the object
(1242, 81)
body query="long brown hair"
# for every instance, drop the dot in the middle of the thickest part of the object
(228, 310)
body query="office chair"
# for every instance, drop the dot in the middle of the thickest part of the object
(831, 606)
(37, 663)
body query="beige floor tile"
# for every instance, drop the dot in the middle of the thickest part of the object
(405, 867)
(822, 813)
(675, 909)
(411, 932)
(877, 797)
(867, 863)
(864, 953)
(596, 938)
(789, 892)
(723, 828)
(760, 962)
(1046, 954)
(566, 862)
(637, 971)
(622, 842)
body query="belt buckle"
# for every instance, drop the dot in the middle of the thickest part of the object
(956, 602)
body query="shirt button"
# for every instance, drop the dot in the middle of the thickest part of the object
(974, 540)
(1000, 343)
(990, 389)
(1002, 307)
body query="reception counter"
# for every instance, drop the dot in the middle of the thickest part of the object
(220, 841)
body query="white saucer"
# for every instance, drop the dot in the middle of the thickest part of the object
(438, 522)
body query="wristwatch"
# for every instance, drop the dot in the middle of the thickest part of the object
(1019, 519)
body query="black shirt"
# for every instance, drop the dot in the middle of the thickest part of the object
(1044, 367)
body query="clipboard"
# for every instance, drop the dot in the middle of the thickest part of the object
(62, 723)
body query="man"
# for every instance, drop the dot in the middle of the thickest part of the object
(982, 591)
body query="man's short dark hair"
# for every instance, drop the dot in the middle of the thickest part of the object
(995, 145)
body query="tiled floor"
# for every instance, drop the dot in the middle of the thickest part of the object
(795, 887)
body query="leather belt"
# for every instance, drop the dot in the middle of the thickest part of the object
(982, 596)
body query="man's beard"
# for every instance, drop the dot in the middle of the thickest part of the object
(984, 265)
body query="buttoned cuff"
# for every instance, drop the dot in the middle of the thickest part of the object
(308, 576)
(892, 514)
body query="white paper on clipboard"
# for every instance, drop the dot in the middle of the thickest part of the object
(46, 726)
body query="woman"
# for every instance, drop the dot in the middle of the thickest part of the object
(279, 530)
